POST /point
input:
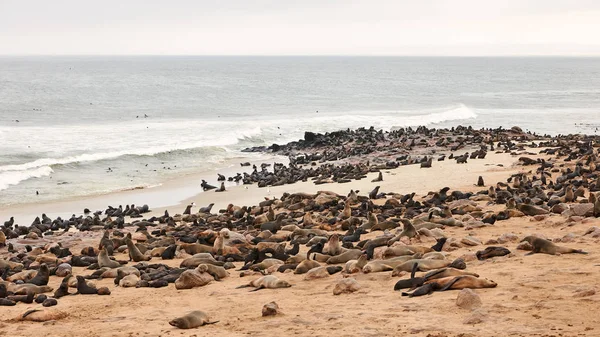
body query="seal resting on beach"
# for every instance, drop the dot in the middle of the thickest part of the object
(544, 246)
(463, 281)
(198, 277)
(266, 282)
(192, 320)
(37, 315)
(491, 252)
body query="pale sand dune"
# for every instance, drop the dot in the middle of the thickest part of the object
(535, 294)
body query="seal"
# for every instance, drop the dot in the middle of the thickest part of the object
(134, 252)
(192, 320)
(427, 265)
(354, 266)
(266, 282)
(321, 272)
(105, 261)
(415, 282)
(107, 243)
(351, 254)
(216, 271)
(63, 289)
(42, 277)
(491, 251)
(376, 266)
(461, 282)
(547, 247)
(2, 239)
(222, 188)
(306, 265)
(198, 277)
(84, 289)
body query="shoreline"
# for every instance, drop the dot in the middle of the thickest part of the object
(169, 193)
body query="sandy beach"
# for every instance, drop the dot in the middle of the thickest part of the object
(539, 295)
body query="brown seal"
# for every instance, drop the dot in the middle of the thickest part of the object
(491, 251)
(305, 266)
(105, 261)
(461, 282)
(198, 277)
(192, 320)
(266, 282)
(63, 289)
(544, 246)
(134, 252)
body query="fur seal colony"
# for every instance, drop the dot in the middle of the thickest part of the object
(300, 245)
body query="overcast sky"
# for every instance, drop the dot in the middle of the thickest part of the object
(301, 27)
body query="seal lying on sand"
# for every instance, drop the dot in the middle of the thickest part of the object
(266, 282)
(192, 320)
(544, 246)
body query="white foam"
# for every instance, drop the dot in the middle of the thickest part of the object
(15, 177)
(163, 138)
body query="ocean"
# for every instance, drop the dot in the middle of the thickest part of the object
(78, 126)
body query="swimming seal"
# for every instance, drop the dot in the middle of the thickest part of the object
(192, 320)
(547, 247)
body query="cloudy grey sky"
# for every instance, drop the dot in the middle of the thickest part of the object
(283, 27)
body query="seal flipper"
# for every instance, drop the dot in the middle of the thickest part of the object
(29, 312)
(246, 266)
(451, 283)
(434, 273)
(413, 281)
(5, 273)
(579, 251)
(211, 322)
(259, 288)
(243, 286)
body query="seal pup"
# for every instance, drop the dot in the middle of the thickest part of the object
(266, 282)
(222, 188)
(491, 252)
(547, 247)
(63, 289)
(192, 320)
(107, 243)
